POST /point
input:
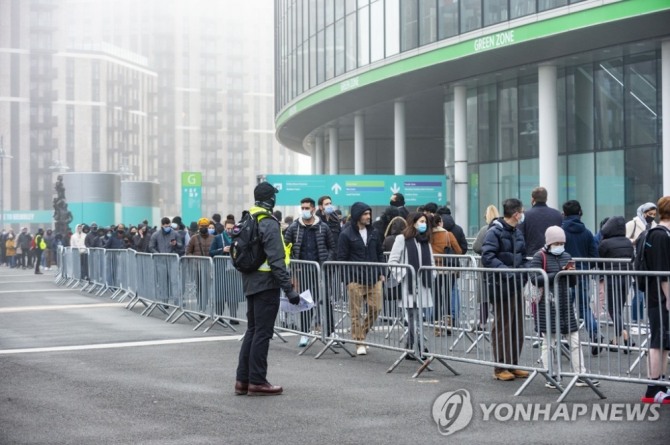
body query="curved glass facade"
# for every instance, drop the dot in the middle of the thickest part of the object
(319, 40)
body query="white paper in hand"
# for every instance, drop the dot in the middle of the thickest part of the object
(306, 303)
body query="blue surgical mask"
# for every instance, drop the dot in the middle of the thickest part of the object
(211, 231)
(523, 218)
(306, 214)
(422, 227)
(557, 250)
(167, 229)
(329, 209)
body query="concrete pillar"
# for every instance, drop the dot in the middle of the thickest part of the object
(334, 154)
(318, 154)
(399, 139)
(359, 144)
(665, 112)
(460, 204)
(548, 133)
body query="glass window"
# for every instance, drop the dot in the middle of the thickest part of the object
(509, 182)
(495, 11)
(487, 120)
(339, 10)
(305, 66)
(329, 10)
(641, 100)
(560, 112)
(320, 58)
(312, 17)
(472, 130)
(364, 36)
(644, 177)
(330, 51)
(488, 187)
(350, 36)
(320, 11)
(610, 192)
(581, 185)
(609, 105)
(543, 5)
(376, 30)
(508, 126)
(579, 105)
(409, 26)
(520, 8)
(447, 25)
(312, 61)
(392, 27)
(471, 15)
(428, 23)
(528, 119)
(339, 47)
(350, 6)
(476, 208)
(529, 178)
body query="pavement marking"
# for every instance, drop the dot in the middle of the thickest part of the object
(58, 307)
(26, 291)
(30, 281)
(132, 344)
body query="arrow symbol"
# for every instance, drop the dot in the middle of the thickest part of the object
(336, 188)
(395, 188)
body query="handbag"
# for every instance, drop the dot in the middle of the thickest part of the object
(533, 293)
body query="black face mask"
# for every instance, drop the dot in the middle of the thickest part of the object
(649, 219)
(204, 231)
(394, 203)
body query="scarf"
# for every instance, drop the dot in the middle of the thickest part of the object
(412, 246)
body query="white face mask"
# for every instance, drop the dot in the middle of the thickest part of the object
(523, 217)
(557, 250)
(306, 215)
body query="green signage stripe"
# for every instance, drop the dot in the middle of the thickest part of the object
(365, 183)
(191, 179)
(524, 33)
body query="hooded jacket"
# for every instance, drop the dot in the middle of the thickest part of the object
(325, 241)
(579, 242)
(351, 246)
(614, 243)
(637, 225)
(451, 226)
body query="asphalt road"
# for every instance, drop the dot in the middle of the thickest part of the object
(80, 369)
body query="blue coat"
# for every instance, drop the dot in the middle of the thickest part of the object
(579, 242)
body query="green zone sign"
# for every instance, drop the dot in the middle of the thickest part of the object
(374, 190)
(191, 196)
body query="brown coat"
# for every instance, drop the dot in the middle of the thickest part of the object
(199, 245)
(441, 239)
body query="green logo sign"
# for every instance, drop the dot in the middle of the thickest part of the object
(191, 196)
(374, 190)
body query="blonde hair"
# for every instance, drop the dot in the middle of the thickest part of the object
(491, 214)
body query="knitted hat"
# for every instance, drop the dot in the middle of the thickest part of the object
(264, 191)
(203, 222)
(554, 234)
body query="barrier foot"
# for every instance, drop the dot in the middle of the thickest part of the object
(330, 345)
(174, 311)
(126, 294)
(481, 336)
(396, 322)
(310, 344)
(223, 322)
(523, 387)
(203, 321)
(400, 359)
(460, 336)
(571, 385)
(424, 366)
(280, 337)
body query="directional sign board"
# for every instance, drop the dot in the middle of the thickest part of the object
(191, 196)
(374, 190)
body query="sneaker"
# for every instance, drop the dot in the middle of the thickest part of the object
(550, 385)
(582, 383)
(504, 375)
(303, 341)
(660, 397)
(360, 350)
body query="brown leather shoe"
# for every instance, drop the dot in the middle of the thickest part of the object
(520, 373)
(266, 389)
(504, 375)
(241, 388)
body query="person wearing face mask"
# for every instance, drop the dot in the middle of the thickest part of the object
(117, 240)
(164, 240)
(199, 244)
(579, 243)
(221, 246)
(141, 239)
(553, 258)
(311, 240)
(644, 220)
(398, 200)
(326, 213)
(504, 247)
(413, 247)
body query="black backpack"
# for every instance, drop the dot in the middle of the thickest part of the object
(246, 250)
(639, 262)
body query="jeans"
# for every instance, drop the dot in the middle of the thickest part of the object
(637, 305)
(262, 309)
(584, 306)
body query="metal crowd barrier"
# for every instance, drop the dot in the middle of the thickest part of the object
(228, 294)
(96, 272)
(75, 278)
(166, 290)
(197, 286)
(117, 276)
(146, 285)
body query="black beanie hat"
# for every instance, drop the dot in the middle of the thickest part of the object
(264, 191)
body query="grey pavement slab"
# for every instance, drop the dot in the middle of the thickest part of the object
(181, 393)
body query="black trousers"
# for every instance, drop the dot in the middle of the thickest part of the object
(38, 259)
(262, 311)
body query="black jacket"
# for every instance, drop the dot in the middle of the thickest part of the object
(333, 222)
(579, 242)
(504, 247)
(537, 220)
(614, 243)
(325, 242)
(451, 226)
(351, 246)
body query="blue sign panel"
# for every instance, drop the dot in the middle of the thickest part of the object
(374, 190)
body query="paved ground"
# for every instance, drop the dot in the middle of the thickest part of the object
(78, 369)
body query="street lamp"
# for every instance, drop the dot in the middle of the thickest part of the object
(3, 155)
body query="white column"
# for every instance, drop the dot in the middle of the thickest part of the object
(548, 133)
(318, 154)
(665, 87)
(399, 155)
(359, 144)
(334, 154)
(312, 160)
(460, 204)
